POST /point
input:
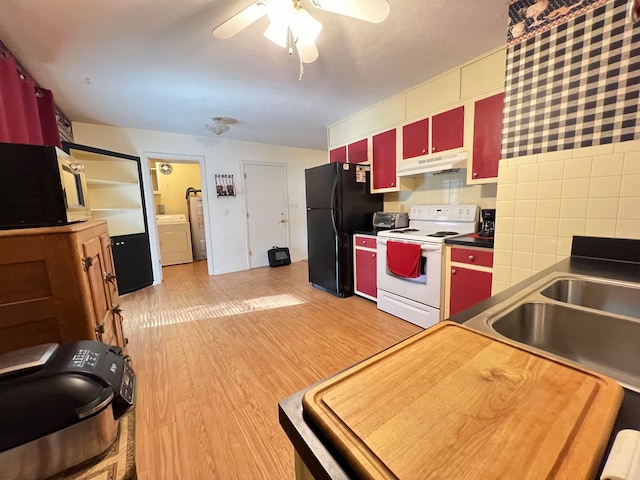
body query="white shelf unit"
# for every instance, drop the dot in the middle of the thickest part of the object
(114, 191)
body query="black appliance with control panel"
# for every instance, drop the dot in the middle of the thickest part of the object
(59, 405)
(487, 222)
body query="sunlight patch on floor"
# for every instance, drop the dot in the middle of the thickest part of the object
(200, 312)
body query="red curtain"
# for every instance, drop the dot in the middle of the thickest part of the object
(48, 123)
(27, 113)
(12, 115)
(30, 109)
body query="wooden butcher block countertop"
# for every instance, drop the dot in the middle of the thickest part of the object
(453, 403)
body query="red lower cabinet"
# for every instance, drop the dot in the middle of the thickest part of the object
(468, 287)
(366, 280)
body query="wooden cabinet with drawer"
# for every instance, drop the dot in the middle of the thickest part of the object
(468, 278)
(364, 258)
(57, 284)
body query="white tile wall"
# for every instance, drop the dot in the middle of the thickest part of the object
(544, 200)
(446, 189)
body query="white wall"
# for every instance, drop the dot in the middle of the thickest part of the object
(227, 221)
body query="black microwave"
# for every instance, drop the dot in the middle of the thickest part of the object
(40, 186)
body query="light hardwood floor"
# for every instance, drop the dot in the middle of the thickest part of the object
(213, 355)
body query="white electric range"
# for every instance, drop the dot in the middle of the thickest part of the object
(417, 300)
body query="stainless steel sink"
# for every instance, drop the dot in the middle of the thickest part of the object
(588, 338)
(585, 321)
(608, 297)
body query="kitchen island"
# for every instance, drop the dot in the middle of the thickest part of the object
(608, 259)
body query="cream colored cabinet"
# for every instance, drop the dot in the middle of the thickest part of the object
(57, 284)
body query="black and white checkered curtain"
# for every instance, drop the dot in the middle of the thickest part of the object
(574, 85)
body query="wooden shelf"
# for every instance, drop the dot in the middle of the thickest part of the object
(96, 181)
(124, 209)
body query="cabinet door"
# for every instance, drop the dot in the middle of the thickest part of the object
(110, 273)
(132, 260)
(447, 130)
(468, 287)
(94, 266)
(366, 279)
(415, 139)
(338, 155)
(384, 161)
(487, 136)
(358, 152)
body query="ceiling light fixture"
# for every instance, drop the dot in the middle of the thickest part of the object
(290, 24)
(219, 126)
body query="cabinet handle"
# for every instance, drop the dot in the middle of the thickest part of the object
(393, 184)
(373, 255)
(475, 174)
(453, 271)
(433, 149)
(110, 278)
(99, 331)
(424, 150)
(472, 258)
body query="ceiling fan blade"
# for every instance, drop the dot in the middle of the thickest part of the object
(240, 21)
(308, 52)
(374, 11)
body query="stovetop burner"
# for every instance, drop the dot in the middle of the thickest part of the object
(442, 234)
(404, 230)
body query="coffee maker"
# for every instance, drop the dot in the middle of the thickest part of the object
(487, 222)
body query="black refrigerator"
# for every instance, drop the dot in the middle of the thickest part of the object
(338, 204)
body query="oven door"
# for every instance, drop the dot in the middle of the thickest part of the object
(426, 288)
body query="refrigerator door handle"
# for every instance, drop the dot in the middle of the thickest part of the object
(334, 188)
(336, 237)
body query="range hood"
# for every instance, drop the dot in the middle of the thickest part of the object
(432, 165)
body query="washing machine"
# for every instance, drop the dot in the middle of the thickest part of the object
(174, 235)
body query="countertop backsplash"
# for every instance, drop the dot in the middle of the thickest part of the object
(445, 189)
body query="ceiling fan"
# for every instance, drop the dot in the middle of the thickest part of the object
(290, 24)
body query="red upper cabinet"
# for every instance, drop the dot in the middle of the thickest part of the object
(358, 152)
(415, 139)
(447, 130)
(487, 137)
(384, 161)
(338, 155)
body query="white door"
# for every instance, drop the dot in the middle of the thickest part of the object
(267, 214)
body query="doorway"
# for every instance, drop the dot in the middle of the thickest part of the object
(267, 213)
(179, 210)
